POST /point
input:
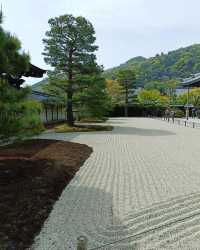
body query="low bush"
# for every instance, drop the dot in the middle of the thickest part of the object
(64, 128)
(93, 120)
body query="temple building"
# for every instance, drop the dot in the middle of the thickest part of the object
(17, 81)
(191, 82)
(51, 112)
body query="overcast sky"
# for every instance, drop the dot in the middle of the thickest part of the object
(124, 28)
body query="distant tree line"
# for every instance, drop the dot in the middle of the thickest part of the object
(176, 64)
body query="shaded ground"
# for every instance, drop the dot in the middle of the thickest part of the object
(32, 177)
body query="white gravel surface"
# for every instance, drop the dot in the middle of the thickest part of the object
(142, 179)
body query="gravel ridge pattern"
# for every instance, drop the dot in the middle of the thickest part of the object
(142, 179)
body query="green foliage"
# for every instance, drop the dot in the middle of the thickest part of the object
(194, 98)
(64, 128)
(92, 99)
(173, 65)
(167, 87)
(56, 86)
(160, 86)
(116, 92)
(126, 77)
(179, 113)
(152, 98)
(12, 60)
(70, 37)
(69, 47)
(19, 117)
(130, 64)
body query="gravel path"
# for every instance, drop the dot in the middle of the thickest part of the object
(142, 179)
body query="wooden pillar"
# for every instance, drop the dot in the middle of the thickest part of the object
(46, 114)
(187, 108)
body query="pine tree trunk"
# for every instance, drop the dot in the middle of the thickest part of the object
(70, 118)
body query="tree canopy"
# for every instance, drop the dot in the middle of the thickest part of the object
(69, 48)
(76, 78)
(116, 92)
(152, 98)
(13, 61)
(126, 77)
(194, 97)
(19, 117)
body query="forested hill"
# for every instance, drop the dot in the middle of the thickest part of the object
(173, 65)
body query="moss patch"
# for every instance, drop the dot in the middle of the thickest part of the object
(92, 120)
(64, 128)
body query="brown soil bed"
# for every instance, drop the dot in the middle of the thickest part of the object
(32, 177)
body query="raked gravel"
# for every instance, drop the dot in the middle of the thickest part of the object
(142, 179)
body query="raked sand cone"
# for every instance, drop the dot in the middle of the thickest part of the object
(82, 242)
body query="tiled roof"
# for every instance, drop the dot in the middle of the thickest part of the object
(193, 81)
(40, 96)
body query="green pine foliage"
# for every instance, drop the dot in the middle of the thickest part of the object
(76, 79)
(92, 99)
(19, 117)
(12, 60)
(69, 49)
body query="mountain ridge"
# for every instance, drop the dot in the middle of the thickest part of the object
(175, 64)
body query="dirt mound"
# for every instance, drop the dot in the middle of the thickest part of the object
(32, 177)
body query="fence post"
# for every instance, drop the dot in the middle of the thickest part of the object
(82, 242)
(185, 123)
(193, 124)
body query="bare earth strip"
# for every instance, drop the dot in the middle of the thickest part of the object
(143, 179)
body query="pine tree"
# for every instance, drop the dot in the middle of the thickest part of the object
(126, 78)
(69, 48)
(19, 117)
(13, 62)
